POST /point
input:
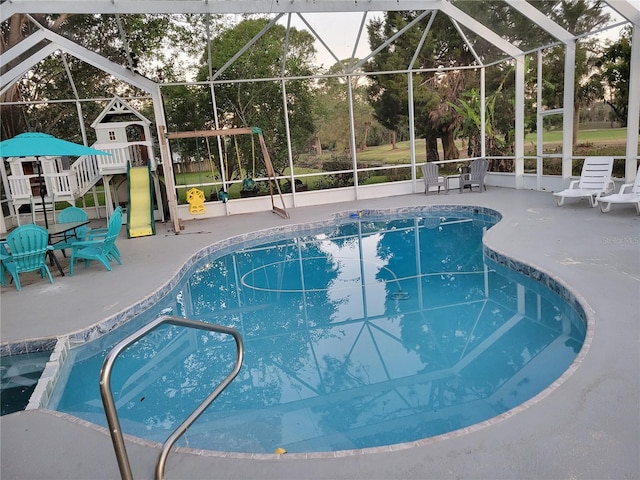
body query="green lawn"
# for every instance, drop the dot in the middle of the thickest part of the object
(612, 137)
(606, 135)
(606, 141)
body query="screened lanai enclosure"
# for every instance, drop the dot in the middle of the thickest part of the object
(255, 103)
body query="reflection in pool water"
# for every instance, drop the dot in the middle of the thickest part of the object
(371, 333)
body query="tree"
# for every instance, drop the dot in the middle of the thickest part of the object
(13, 32)
(578, 16)
(616, 67)
(259, 103)
(433, 91)
(468, 108)
(436, 93)
(149, 41)
(332, 111)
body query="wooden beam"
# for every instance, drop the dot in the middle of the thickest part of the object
(271, 175)
(209, 133)
(167, 165)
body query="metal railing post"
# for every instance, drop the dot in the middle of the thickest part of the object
(110, 406)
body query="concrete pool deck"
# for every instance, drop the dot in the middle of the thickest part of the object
(586, 428)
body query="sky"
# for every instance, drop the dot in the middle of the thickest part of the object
(339, 32)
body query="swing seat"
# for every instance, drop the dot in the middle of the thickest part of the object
(248, 184)
(195, 199)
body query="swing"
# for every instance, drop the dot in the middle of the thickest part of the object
(182, 166)
(219, 195)
(222, 195)
(213, 172)
(195, 199)
(271, 174)
(248, 183)
(199, 161)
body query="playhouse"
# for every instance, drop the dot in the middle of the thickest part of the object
(129, 175)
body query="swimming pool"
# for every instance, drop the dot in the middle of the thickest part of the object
(374, 332)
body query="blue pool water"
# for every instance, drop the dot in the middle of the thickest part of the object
(369, 333)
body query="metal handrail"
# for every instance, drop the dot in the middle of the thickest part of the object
(110, 406)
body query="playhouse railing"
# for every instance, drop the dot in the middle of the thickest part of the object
(74, 183)
(20, 187)
(138, 153)
(63, 185)
(86, 172)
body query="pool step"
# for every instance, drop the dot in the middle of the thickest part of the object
(19, 375)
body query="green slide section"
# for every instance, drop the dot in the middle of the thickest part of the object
(140, 222)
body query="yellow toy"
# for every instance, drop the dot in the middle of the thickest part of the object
(195, 199)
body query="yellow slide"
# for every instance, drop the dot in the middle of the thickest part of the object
(140, 221)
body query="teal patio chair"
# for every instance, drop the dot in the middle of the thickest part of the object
(71, 215)
(102, 249)
(4, 257)
(25, 250)
(100, 233)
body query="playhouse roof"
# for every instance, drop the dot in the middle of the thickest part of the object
(117, 107)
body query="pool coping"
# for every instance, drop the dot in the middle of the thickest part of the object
(63, 344)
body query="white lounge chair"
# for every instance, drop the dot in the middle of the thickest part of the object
(629, 194)
(595, 181)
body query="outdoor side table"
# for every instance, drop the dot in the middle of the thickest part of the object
(447, 179)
